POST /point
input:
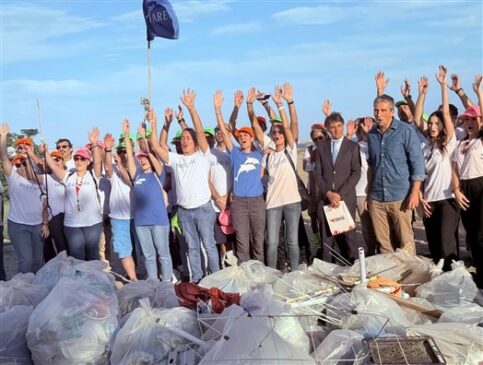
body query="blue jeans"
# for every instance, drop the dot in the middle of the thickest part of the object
(291, 213)
(83, 242)
(155, 241)
(28, 246)
(198, 226)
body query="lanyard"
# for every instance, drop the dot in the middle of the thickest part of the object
(78, 185)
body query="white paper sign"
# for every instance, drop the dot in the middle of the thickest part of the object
(339, 219)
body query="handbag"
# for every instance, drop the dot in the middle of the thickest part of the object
(304, 193)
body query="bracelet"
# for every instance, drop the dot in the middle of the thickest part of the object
(94, 146)
(290, 102)
(107, 151)
(281, 108)
(249, 102)
(458, 91)
(181, 120)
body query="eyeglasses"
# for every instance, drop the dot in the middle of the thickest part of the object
(79, 158)
(62, 146)
(119, 152)
(317, 139)
(20, 164)
(275, 132)
(58, 159)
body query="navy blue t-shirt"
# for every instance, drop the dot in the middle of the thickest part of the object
(149, 206)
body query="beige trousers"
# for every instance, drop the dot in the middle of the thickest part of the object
(392, 216)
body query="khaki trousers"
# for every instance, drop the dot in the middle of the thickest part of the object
(392, 216)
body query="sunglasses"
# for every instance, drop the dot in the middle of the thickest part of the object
(20, 164)
(275, 132)
(63, 146)
(119, 152)
(317, 139)
(79, 158)
(58, 159)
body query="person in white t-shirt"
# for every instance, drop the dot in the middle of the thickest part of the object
(441, 212)
(64, 146)
(24, 218)
(83, 209)
(191, 174)
(468, 179)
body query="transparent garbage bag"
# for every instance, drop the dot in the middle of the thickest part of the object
(468, 314)
(340, 346)
(450, 289)
(20, 290)
(160, 294)
(326, 268)
(149, 334)
(13, 326)
(459, 343)
(74, 323)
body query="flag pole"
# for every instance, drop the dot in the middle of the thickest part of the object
(39, 117)
(149, 73)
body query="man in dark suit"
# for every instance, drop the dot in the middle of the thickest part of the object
(337, 171)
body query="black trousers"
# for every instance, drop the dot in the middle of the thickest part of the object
(472, 219)
(441, 230)
(56, 237)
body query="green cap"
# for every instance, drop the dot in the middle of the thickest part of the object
(121, 137)
(210, 131)
(425, 117)
(276, 120)
(177, 137)
(148, 133)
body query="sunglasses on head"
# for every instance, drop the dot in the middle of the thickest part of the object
(63, 146)
(79, 158)
(57, 159)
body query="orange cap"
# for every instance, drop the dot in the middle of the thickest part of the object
(57, 154)
(248, 130)
(23, 140)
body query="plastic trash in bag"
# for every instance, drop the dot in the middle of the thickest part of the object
(13, 326)
(341, 345)
(326, 268)
(150, 334)
(249, 340)
(468, 314)
(74, 323)
(459, 343)
(20, 290)
(297, 283)
(241, 279)
(160, 294)
(450, 289)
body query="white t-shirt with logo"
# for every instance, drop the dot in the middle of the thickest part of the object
(282, 188)
(120, 201)
(25, 201)
(221, 173)
(56, 190)
(190, 175)
(437, 185)
(469, 158)
(89, 211)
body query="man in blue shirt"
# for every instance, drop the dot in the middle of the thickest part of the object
(396, 171)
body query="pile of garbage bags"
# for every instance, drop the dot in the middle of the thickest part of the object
(71, 312)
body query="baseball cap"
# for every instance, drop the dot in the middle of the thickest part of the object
(276, 120)
(83, 152)
(472, 112)
(225, 221)
(401, 102)
(248, 130)
(210, 131)
(56, 154)
(23, 140)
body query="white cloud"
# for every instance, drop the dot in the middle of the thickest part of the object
(188, 11)
(316, 15)
(241, 28)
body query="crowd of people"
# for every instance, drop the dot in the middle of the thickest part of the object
(236, 188)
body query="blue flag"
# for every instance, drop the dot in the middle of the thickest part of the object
(161, 21)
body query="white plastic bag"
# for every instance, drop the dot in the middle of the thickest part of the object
(450, 289)
(459, 343)
(469, 314)
(13, 326)
(74, 323)
(21, 291)
(340, 345)
(161, 295)
(150, 333)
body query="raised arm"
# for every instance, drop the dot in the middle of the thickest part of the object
(109, 142)
(448, 123)
(237, 102)
(160, 150)
(6, 163)
(218, 102)
(294, 121)
(477, 88)
(351, 129)
(406, 93)
(251, 97)
(180, 118)
(381, 83)
(423, 84)
(124, 173)
(168, 119)
(277, 96)
(131, 164)
(188, 99)
(456, 87)
(59, 172)
(263, 99)
(157, 166)
(326, 107)
(96, 152)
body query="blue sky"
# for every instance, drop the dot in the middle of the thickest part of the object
(86, 60)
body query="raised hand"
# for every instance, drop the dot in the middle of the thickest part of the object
(218, 99)
(381, 82)
(287, 92)
(238, 98)
(423, 84)
(277, 95)
(477, 85)
(455, 82)
(261, 96)
(43, 148)
(93, 136)
(125, 127)
(142, 130)
(109, 141)
(151, 116)
(252, 95)
(351, 128)
(441, 75)
(168, 115)
(188, 98)
(4, 129)
(179, 113)
(326, 107)
(405, 89)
